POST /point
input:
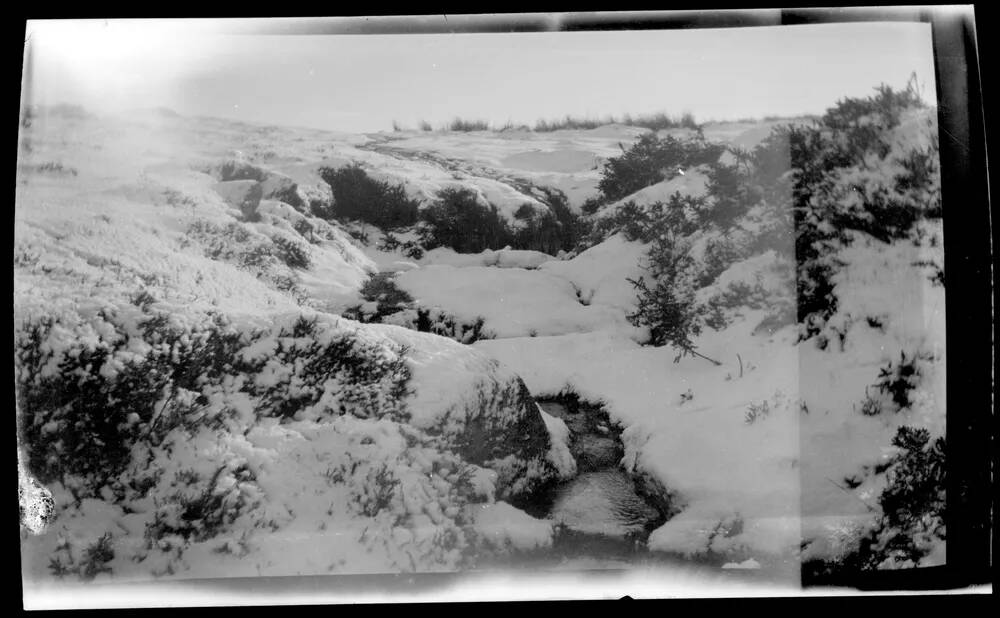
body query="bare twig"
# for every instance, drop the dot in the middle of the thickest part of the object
(711, 360)
(741, 364)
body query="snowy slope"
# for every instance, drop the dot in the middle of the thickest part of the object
(753, 452)
(112, 235)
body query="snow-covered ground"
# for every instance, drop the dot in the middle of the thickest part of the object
(759, 489)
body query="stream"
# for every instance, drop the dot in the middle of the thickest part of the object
(602, 499)
(603, 517)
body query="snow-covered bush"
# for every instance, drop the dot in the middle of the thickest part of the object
(457, 220)
(382, 298)
(650, 160)
(758, 178)
(92, 390)
(558, 229)
(359, 197)
(267, 183)
(899, 379)
(910, 528)
(292, 253)
(270, 258)
(668, 306)
(869, 165)
(92, 562)
(720, 253)
(679, 216)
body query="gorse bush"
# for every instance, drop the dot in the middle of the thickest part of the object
(912, 507)
(668, 306)
(388, 304)
(86, 405)
(802, 192)
(93, 561)
(201, 506)
(899, 379)
(357, 196)
(272, 260)
(650, 160)
(556, 229)
(458, 220)
(862, 124)
(91, 392)
(678, 216)
(851, 176)
(815, 184)
(380, 289)
(293, 254)
(759, 178)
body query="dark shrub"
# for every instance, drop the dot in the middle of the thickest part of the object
(389, 299)
(389, 242)
(459, 221)
(669, 308)
(93, 562)
(413, 250)
(539, 231)
(898, 379)
(551, 230)
(913, 507)
(720, 254)
(461, 124)
(293, 254)
(731, 195)
(591, 205)
(78, 419)
(86, 402)
(650, 160)
(371, 384)
(825, 209)
(649, 222)
(357, 196)
(205, 505)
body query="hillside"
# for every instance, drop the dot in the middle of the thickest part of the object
(265, 351)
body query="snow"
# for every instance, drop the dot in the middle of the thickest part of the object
(559, 454)
(88, 243)
(513, 302)
(506, 527)
(501, 258)
(601, 272)
(560, 161)
(751, 490)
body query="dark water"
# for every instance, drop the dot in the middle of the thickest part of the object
(599, 512)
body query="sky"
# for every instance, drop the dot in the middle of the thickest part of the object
(364, 82)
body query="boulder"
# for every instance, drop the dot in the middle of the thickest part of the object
(276, 186)
(242, 194)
